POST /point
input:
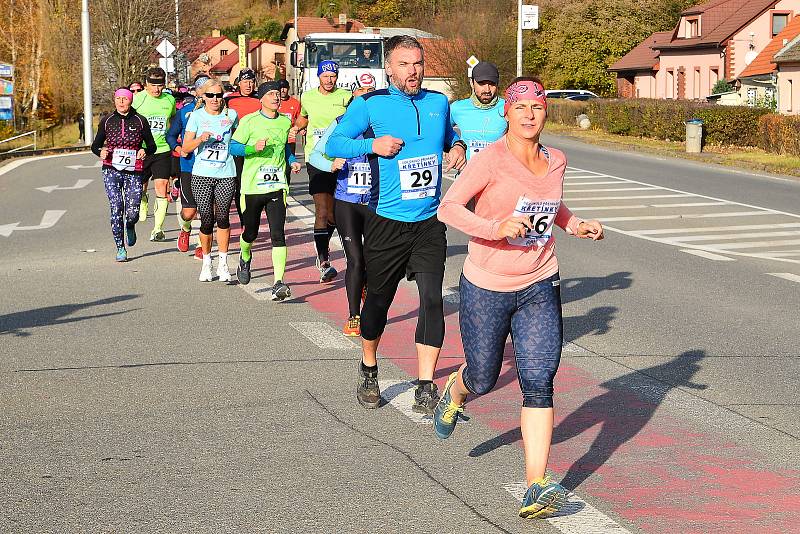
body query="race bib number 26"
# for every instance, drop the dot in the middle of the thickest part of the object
(419, 177)
(542, 215)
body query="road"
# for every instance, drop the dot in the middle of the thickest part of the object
(137, 399)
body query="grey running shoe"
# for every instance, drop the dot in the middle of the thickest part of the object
(243, 272)
(326, 271)
(157, 235)
(425, 399)
(280, 291)
(368, 391)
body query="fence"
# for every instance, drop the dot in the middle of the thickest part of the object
(29, 145)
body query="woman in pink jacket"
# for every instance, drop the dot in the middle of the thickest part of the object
(510, 283)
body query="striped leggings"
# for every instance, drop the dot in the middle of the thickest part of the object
(210, 193)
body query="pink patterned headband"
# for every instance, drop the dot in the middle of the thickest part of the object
(525, 90)
(123, 92)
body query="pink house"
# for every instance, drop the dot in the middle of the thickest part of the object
(266, 58)
(205, 52)
(712, 41)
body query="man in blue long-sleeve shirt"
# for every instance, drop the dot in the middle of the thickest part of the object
(405, 129)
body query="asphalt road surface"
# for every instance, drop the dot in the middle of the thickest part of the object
(136, 399)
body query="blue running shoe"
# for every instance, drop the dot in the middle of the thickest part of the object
(445, 415)
(122, 254)
(543, 499)
(130, 231)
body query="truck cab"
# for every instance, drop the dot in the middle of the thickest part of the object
(356, 53)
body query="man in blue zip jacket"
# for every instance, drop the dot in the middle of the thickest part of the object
(480, 118)
(405, 129)
(188, 205)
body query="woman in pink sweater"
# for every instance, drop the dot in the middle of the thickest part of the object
(510, 283)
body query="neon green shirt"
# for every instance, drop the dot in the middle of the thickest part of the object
(158, 112)
(321, 111)
(265, 171)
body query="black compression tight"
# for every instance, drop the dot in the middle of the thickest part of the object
(275, 205)
(350, 219)
(430, 323)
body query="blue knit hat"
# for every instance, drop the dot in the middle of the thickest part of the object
(327, 66)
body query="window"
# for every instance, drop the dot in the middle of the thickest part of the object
(696, 83)
(670, 89)
(223, 53)
(348, 53)
(779, 22)
(692, 28)
(790, 97)
(752, 95)
(713, 78)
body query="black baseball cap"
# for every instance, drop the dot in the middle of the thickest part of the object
(283, 84)
(247, 74)
(266, 87)
(485, 72)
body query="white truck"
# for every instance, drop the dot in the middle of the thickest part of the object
(358, 54)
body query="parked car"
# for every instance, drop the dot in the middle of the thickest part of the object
(570, 94)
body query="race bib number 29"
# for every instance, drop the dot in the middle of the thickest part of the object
(542, 215)
(419, 177)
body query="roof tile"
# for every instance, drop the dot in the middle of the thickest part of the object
(643, 56)
(763, 64)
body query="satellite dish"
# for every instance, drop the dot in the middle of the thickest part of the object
(204, 58)
(750, 56)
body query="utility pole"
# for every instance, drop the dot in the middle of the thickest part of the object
(519, 38)
(178, 67)
(86, 45)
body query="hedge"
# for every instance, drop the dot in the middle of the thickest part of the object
(664, 119)
(780, 134)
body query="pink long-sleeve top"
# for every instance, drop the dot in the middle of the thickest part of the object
(503, 187)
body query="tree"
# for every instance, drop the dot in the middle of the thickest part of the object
(722, 86)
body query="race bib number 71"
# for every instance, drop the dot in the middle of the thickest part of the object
(542, 215)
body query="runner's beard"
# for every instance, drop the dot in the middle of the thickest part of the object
(485, 99)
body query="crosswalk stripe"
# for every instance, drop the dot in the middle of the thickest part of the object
(594, 199)
(709, 237)
(400, 394)
(717, 228)
(577, 516)
(686, 216)
(608, 208)
(605, 182)
(608, 189)
(689, 204)
(780, 253)
(786, 276)
(753, 244)
(707, 255)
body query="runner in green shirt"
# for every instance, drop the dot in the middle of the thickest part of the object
(262, 139)
(158, 108)
(318, 109)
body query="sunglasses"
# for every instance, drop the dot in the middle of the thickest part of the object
(214, 95)
(136, 90)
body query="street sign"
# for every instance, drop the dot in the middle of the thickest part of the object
(6, 108)
(529, 17)
(167, 63)
(165, 48)
(6, 87)
(472, 61)
(243, 46)
(6, 70)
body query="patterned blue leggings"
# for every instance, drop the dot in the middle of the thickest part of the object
(124, 190)
(533, 318)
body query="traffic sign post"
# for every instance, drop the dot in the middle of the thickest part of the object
(527, 19)
(471, 62)
(6, 70)
(165, 50)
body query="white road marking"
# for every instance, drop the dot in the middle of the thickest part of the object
(610, 182)
(716, 237)
(786, 276)
(718, 228)
(781, 254)
(707, 255)
(49, 219)
(95, 165)
(609, 208)
(686, 216)
(22, 161)
(80, 184)
(753, 244)
(600, 190)
(593, 198)
(689, 204)
(400, 394)
(324, 336)
(451, 295)
(577, 516)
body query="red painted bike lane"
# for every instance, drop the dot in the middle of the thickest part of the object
(611, 443)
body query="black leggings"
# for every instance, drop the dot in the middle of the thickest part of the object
(350, 219)
(275, 205)
(430, 323)
(213, 196)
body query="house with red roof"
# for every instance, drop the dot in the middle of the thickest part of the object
(712, 41)
(266, 58)
(205, 52)
(758, 82)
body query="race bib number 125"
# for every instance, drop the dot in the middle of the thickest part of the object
(542, 215)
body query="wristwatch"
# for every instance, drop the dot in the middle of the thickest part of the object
(460, 143)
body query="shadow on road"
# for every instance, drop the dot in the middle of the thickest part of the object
(18, 322)
(575, 289)
(622, 412)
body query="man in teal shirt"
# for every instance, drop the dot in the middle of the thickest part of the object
(480, 117)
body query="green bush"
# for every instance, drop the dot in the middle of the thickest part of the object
(664, 119)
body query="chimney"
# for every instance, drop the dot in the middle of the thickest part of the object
(215, 33)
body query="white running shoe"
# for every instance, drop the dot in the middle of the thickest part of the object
(205, 272)
(222, 272)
